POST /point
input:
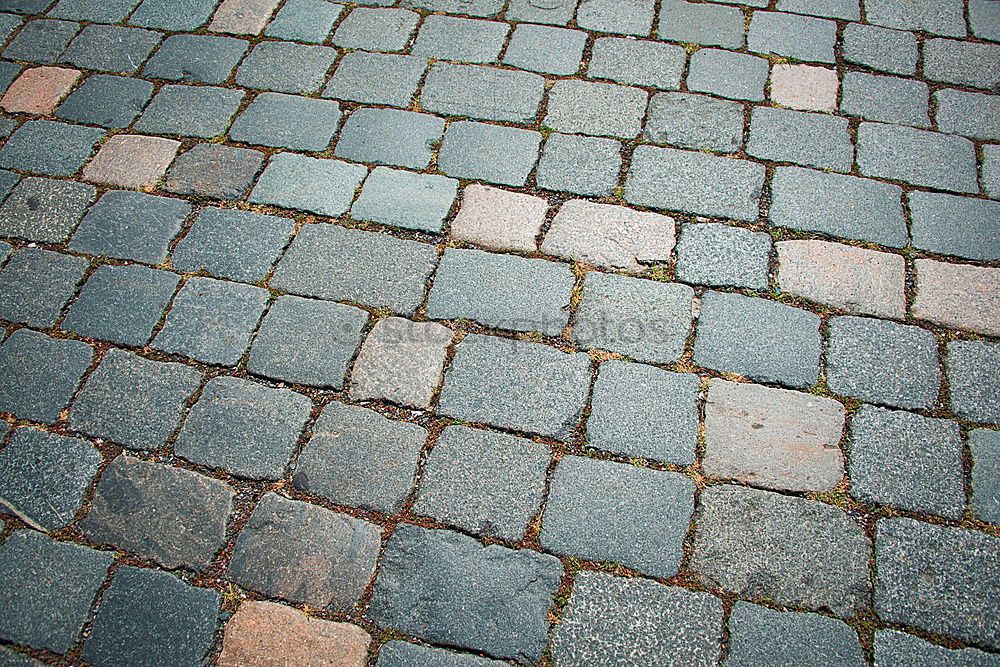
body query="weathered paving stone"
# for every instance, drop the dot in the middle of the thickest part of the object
(907, 461)
(261, 631)
(305, 554)
(121, 304)
(172, 14)
(401, 362)
(35, 285)
(738, 76)
(357, 457)
(376, 29)
(970, 114)
(613, 237)
(44, 209)
(48, 588)
(885, 98)
(13, 658)
(759, 543)
(427, 574)
(604, 511)
(959, 296)
(642, 319)
(839, 205)
(41, 41)
(151, 616)
(882, 49)
(990, 171)
(286, 67)
(983, 19)
(964, 63)
(111, 48)
(516, 385)
(603, 109)
(945, 19)
(898, 648)
(173, 516)
(581, 165)
(287, 121)
(938, 579)
(40, 374)
(242, 17)
(485, 483)
(492, 153)
(314, 185)
(761, 339)
(804, 87)
(557, 12)
(212, 320)
(130, 225)
(398, 653)
(304, 21)
(133, 401)
(132, 161)
(632, 17)
(47, 147)
(26, 6)
(545, 49)
(723, 255)
(848, 10)
(707, 24)
(390, 136)
(500, 219)
(190, 111)
(8, 180)
(762, 636)
(330, 262)
(462, 40)
(616, 620)
(774, 438)
(667, 178)
(922, 158)
(862, 281)
(39, 90)
(695, 121)
(810, 139)
(642, 63)
(639, 410)
(43, 476)
(376, 78)
(883, 362)
(211, 170)
(502, 291)
(239, 245)
(985, 447)
(973, 368)
(405, 199)
(108, 101)
(196, 58)
(800, 37)
(244, 428)
(950, 225)
(482, 92)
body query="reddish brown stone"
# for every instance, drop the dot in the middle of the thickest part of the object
(242, 17)
(272, 635)
(38, 90)
(132, 161)
(959, 296)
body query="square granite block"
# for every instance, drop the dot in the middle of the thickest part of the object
(212, 321)
(130, 225)
(96, 11)
(930, 159)
(35, 285)
(645, 320)
(376, 78)
(133, 401)
(763, 636)
(238, 245)
(639, 410)
(810, 139)
(622, 17)
(497, 218)
(191, 111)
(111, 48)
(305, 341)
(44, 209)
(244, 428)
(946, 19)
(47, 147)
(331, 262)
(737, 76)
(41, 41)
(304, 21)
(641, 63)
(286, 67)
(121, 304)
(460, 40)
(486, 93)
(37, 91)
(604, 511)
(761, 339)
(492, 153)
(804, 87)
(173, 15)
(390, 136)
(40, 374)
(516, 385)
(303, 183)
(604, 109)
(701, 23)
(132, 161)
(488, 484)
(357, 457)
(196, 58)
(974, 380)
(886, 98)
(555, 12)
(211, 170)
(108, 101)
(953, 225)
(404, 199)
(804, 38)
(581, 165)
(287, 121)
(545, 49)
(966, 113)
(882, 49)
(376, 29)
(723, 255)
(43, 476)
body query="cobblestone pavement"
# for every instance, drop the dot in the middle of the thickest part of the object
(476, 332)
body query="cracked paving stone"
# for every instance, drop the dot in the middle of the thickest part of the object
(398, 653)
(545, 49)
(40, 374)
(723, 255)
(557, 12)
(762, 636)
(737, 76)
(698, 23)
(35, 284)
(130, 225)
(44, 209)
(919, 157)
(893, 51)
(800, 37)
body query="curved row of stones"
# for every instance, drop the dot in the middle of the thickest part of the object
(449, 389)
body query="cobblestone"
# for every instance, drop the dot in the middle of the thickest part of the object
(111, 48)
(804, 87)
(218, 172)
(497, 218)
(695, 121)
(35, 284)
(601, 109)
(970, 114)
(132, 161)
(482, 92)
(314, 185)
(38, 90)
(759, 635)
(893, 647)
(958, 295)
(545, 49)
(581, 165)
(130, 225)
(641, 63)
(196, 58)
(964, 63)
(47, 147)
(390, 136)
(376, 29)
(723, 255)
(172, 14)
(190, 111)
(404, 199)
(41, 41)
(401, 361)
(972, 379)
(40, 374)
(492, 153)
(912, 15)
(950, 225)
(376, 78)
(706, 24)
(44, 209)
(885, 98)
(304, 21)
(557, 12)
(462, 40)
(886, 50)
(801, 37)
(990, 171)
(286, 67)
(918, 157)
(242, 17)
(398, 653)
(812, 140)
(287, 121)
(984, 444)
(738, 76)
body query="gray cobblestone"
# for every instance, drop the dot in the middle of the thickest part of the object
(108, 101)
(303, 183)
(111, 48)
(172, 14)
(484, 8)
(286, 67)
(898, 648)
(810, 139)
(763, 636)
(211, 170)
(950, 225)
(404, 199)
(800, 37)
(41, 41)
(304, 21)
(581, 165)
(596, 108)
(390, 136)
(464, 40)
(482, 92)
(545, 49)
(376, 78)
(695, 121)
(971, 114)
(990, 171)
(723, 255)
(376, 29)
(984, 444)
(190, 111)
(965, 63)
(35, 285)
(492, 153)
(633, 17)
(973, 370)
(398, 653)
(885, 98)
(916, 156)
(708, 24)
(642, 63)
(130, 225)
(287, 121)
(196, 58)
(40, 374)
(848, 10)
(556, 12)
(44, 209)
(738, 76)
(984, 19)
(46, 147)
(883, 49)
(946, 19)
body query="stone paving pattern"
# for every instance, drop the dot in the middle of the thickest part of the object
(479, 332)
